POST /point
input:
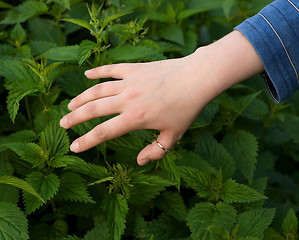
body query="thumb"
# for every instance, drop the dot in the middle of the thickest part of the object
(157, 149)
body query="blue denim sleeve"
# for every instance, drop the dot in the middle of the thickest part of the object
(274, 34)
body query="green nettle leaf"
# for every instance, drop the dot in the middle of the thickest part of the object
(45, 185)
(73, 83)
(272, 234)
(146, 187)
(56, 140)
(72, 188)
(126, 53)
(13, 222)
(29, 152)
(9, 194)
(110, 19)
(5, 5)
(206, 116)
(191, 159)
(42, 29)
(290, 224)
(126, 142)
(173, 204)
(18, 35)
(238, 106)
(243, 147)
(139, 225)
(254, 222)
(59, 229)
(25, 11)
(20, 82)
(79, 22)
(89, 169)
(227, 6)
(212, 187)
(22, 136)
(7, 51)
(115, 2)
(206, 219)
(167, 163)
(162, 228)
(66, 160)
(19, 183)
(260, 184)
(49, 69)
(190, 12)
(17, 91)
(117, 208)
(85, 50)
(233, 192)
(64, 54)
(16, 71)
(291, 128)
(99, 232)
(40, 47)
(257, 110)
(71, 238)
(214, 153)
(64, 3)
(173, 34)
(198, 181)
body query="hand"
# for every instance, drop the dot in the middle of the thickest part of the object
(164, 95)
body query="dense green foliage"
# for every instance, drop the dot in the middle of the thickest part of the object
(232, 176)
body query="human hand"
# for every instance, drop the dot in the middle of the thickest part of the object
(164, 95)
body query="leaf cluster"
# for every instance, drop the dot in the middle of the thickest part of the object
(232, 176)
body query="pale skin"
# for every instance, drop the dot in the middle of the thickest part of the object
(164, 95)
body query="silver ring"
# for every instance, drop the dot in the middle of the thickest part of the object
(163, 148)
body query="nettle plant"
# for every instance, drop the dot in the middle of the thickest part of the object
(231, 177)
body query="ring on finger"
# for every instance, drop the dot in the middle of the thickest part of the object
(163, 148)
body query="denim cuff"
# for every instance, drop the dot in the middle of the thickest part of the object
(274, 34)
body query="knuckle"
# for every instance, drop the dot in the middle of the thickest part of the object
(137, 117)
(91, 108)
(100, 134)
(108, 68)
(132, 95)
(97, 89)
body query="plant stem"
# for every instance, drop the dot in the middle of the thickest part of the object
(29, 116)
(53, 206)
(45, 102)
(90, 63)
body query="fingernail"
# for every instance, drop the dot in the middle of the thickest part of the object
(63, 122)
(88, 72)
(75, 146)
(71, 104)
(143, 161)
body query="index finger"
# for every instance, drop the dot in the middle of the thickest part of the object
(118, 71)
(101, 90)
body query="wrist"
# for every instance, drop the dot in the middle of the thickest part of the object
(226, 62)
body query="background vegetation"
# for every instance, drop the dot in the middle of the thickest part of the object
(232, 176)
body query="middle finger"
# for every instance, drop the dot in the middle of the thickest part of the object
(97, 108)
